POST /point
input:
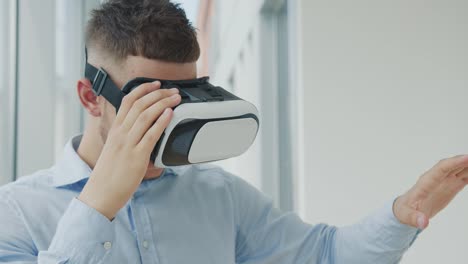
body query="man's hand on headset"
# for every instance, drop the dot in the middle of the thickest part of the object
(433, 192)
(140, 121)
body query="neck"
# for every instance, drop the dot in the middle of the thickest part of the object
(90, 148)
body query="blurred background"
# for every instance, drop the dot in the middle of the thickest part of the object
(357, 98)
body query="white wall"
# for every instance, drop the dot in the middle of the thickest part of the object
(36, 85)
(385, 97)
(7, 88)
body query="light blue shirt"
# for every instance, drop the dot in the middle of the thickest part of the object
(191, 214)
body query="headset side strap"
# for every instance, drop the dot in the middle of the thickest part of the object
(103, 85)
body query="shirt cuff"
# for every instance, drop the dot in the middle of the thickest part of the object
(392, 232)
(83, 234)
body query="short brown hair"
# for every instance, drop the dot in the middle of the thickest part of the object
(154, 29)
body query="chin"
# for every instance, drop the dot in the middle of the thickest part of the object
(152, 171)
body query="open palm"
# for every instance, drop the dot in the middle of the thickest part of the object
(433, 192)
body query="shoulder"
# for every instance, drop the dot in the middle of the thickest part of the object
(27, 212)
(33, 194)
(36, 181)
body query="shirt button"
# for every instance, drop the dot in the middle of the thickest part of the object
(145, 244)
(107, 245)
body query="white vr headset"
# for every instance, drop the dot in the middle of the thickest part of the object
(209, 124)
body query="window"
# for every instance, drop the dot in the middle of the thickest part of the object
(284, 111)
(277, 103)
(42, 55)
(7, 89)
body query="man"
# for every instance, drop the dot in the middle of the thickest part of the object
(104, 202)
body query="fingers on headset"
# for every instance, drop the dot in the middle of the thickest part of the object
(143, 104)
(133, 96)
(152, 136)
(148, 117)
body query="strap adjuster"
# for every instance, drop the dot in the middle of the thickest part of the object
(99, 81)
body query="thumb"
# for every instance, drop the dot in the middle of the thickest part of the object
(412, 217)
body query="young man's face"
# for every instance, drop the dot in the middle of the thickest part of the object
(141, 67)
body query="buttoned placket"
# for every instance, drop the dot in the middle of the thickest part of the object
(144, 232)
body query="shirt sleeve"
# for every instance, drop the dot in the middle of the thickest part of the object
(267, 235)
(83, 236)
(382, 239)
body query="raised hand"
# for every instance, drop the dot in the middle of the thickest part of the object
(433, 192)
(142, 118)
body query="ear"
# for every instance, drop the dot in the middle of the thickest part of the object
(87, 97)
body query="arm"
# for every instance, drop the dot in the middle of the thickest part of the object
(83, 235)
(264, 233)
(378, 238)
(389, 233)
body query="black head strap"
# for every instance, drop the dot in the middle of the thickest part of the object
(103, 85)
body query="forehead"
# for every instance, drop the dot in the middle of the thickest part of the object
(136, 66)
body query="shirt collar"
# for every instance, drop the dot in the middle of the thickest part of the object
(71, 168)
